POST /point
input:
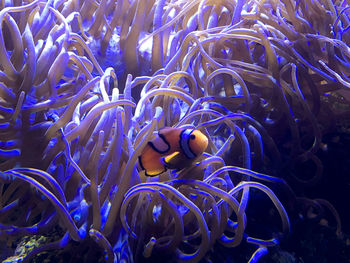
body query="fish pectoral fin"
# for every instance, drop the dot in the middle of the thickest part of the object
(167, 159)
(175, 160)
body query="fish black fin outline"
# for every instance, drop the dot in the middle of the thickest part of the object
(140, 162)
(155, 174)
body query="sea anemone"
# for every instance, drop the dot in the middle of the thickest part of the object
(259, 79)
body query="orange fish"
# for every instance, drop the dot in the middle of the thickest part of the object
(172, 148)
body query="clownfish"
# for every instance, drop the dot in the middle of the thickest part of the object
(172, 148)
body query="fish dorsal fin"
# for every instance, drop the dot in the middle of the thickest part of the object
(160, 144)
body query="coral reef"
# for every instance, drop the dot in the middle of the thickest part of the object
(85, 84)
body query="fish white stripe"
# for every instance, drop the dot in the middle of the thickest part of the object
(160, 144)
(184, 143)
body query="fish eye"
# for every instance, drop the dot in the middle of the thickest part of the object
(192, 136)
